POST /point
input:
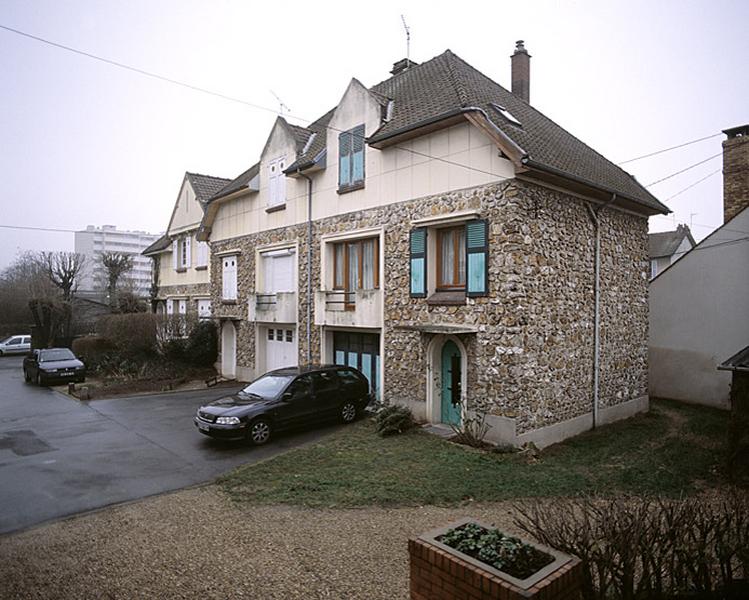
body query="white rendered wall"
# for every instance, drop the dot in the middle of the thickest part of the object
(699, 317)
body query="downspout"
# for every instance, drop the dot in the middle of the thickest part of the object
(593, 213)
(309, 265)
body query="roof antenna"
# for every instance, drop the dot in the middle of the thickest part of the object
(281, 106)
(408, 40)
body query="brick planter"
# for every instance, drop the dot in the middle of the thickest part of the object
(439, 572)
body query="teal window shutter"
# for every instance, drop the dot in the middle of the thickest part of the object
(418, 257)
(357, 143)
(477, 258)
(344, 158)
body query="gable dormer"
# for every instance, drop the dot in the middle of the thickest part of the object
(358, 115)
(279, 152)
(187, 211)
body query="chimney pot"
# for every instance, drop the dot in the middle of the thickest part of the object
(402, 65)
(521, 72)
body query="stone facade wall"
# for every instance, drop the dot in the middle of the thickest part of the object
(532, 358)
(191, 292)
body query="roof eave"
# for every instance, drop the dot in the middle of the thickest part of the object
(640, 206)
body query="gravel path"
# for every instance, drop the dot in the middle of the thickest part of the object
(197, 543)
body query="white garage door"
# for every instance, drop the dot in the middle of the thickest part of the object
(280, 347)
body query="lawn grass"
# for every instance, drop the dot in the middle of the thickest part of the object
(674, 449)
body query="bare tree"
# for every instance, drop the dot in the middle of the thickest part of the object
(63, 270)
(21, 281)
(116, 264)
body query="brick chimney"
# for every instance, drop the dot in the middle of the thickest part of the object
(521, 72)
(402, 65)
(735, 171)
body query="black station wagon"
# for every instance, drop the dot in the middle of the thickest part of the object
(286, 398)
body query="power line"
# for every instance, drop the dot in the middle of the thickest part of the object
(273, 111)
(28, 228)
(697, 164)
(689, 187)
(704, 226)
(702, 139)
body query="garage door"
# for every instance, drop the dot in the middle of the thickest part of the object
(280, 347)
(359, 350)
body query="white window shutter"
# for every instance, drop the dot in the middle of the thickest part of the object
(281, 187)
(188, 251)
(175, 258)
(170, 307)
(225, 279)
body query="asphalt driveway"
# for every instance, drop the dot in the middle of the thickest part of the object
(59, 457)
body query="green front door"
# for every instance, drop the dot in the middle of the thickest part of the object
(451, 377)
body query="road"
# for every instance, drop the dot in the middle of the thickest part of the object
(59, 457)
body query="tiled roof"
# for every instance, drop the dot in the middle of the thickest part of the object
(206, 186)
(160, 244)
(738, 362)
(446, 84)
(666, 243)
(236, 184)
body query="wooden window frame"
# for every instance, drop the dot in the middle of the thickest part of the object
(347, 289)
(457, 249)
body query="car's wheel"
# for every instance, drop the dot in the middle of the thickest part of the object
(259, 432)
(38, 379)
(348, 412)
(26, 376)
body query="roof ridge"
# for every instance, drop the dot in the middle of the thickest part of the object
(457, 82)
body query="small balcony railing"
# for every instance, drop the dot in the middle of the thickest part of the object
(360, 308)
(279, 307)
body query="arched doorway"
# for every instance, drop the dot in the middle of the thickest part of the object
(447, 366)
(228, 350)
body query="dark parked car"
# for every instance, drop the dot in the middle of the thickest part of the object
(284, 399)
(50, 364)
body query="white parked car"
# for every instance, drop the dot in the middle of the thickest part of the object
(15, 344)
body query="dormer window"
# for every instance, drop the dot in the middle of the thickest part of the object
(351, 159)
(276, 183)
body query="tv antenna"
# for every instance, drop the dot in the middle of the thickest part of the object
(282, 107)
(408, 40)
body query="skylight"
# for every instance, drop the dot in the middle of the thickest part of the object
(506, 114)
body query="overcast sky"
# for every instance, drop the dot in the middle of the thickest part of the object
(84, 142)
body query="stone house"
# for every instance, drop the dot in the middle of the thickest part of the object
(666, 247)
(699, 306)
(181, 270)
(446, 238)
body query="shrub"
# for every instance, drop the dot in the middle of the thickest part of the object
(93, 350)
(128, 303)
(131, 333)
(648, 548)
(393, 419)
(472, 430)
(202, 344)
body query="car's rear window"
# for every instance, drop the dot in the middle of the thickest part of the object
(347, 376)
(56, 354)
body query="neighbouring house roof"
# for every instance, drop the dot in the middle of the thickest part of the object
(666, 243)
(159, 245)
(447, 87)
(206, 186)
(738, 362)
(237, 183)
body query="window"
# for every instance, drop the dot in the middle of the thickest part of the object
(301, 387)
(204, 309)
(451, 258)
(202, 254)
(183, 307)
(170, 307)
(356, 265)
(289, 335)
(276, 182)
(229, 279)
(324, 381)
(351, 159)
(278, 271)
(461, 259)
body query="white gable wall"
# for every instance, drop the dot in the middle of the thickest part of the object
(458, 157)
(699, 317)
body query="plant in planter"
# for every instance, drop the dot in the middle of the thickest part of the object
(471, 559)
(491, 546)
